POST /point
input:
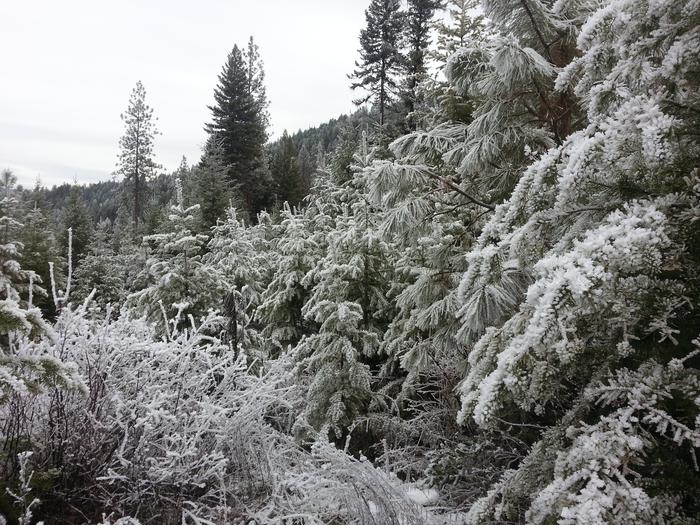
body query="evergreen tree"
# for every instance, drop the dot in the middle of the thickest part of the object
(122, 231)
(238, 125)
(239, 253)
(296, 254)
(285, 172)
(17, 286)
(136, 163)
(177, 284)
(599, 353)
(461, 27)
(161, 192)
(438, 194)
(211, 186)
(39, 249)
(76, 216)
(418, 26)
(306, 166)
(349, 308)
(380, 55)
(104, 271)
(256, 81)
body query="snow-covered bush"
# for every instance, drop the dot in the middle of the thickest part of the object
(179, 430)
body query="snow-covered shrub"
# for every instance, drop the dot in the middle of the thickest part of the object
(180, 429)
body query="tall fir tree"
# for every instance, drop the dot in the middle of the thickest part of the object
(418, 27)
(239, 124)
(136, 161)
(380, 55)
(256, 81)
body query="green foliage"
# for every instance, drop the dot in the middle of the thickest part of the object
(39, 247)
(418, 24)
(75, 216)
(380, 56)
(239, 126)
(286, 172)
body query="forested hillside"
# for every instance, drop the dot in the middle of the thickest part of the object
(475, 300)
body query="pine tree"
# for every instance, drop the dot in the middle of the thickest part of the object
(462, 27)
(285, 172)
(104, 271)
(177, 284)
(346, 306)
(240, 254)
(136, 163)
(307, 167)
(39, 249)
(296, 253)
(238, 125)
(17, 286)
(600, 351)
(75, 215)
(438, 194)
(256, 81)
(380, 55)
(418, 26)
(211, 186)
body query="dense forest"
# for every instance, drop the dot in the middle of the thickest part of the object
(474, 300)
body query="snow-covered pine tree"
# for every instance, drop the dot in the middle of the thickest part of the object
(211, 187)
(457, 28)
(295, 253)
(177, 283)
(239, 253)
(104, 271)
(17, 286)
(21, 372)
(430, 215)
(600, 358)
(349, 308)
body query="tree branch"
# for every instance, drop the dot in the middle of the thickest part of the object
(451, 185)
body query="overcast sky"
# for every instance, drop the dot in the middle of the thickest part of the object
(68, 68)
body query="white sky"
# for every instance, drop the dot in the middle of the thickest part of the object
(67, 69)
